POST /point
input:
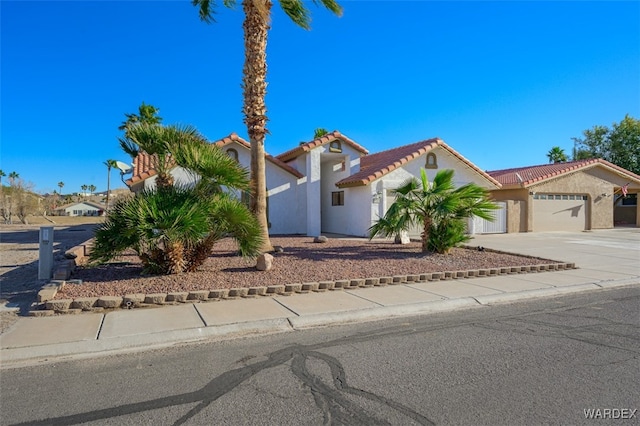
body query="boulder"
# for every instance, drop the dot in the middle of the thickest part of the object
(402, 238)
(265, 262)
(320, 239)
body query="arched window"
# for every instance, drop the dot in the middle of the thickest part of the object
(432, 161)
(335, 146)
(232, 153)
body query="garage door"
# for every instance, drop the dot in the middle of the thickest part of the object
(559, 212)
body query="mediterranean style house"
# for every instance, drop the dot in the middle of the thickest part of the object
(333, 185)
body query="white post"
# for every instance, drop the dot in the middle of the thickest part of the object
(45, 262)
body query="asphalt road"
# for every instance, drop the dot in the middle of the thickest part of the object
(539, 362)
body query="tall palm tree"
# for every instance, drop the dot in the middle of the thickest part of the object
(92, 188)
(146, 114)
(12, 177)
(256, 27)
(319, 132)
(84, 190)
(2, 174)
(556, 155)
(110, 164)
(438, 207)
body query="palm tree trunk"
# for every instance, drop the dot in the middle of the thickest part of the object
(425, 234)
(256, 27)
(108, 187)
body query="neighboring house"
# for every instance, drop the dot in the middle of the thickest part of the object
(332, 184)
(85, 208)
(571, 196)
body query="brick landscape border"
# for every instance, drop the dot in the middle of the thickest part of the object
(46, 304)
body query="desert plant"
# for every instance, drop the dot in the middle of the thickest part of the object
(437, 207)
(174, 229)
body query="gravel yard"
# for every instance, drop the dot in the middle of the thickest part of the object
(302, 261)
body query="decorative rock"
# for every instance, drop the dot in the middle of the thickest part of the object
(58, 305)
(371, 281)
(320, 239)
(326, 285)
(70, 311)
(156, 298)
(340, 284)
(257, 291)
(84, 303)
(264, 262)
(355, 283)
(397, 279)
(62, 273)
(47, 293)
(292, 288)
(178, 296)
(310, 286)
(110, 302)
(278, 249)
(275, 289)
(402, 238)
(238, 292)
(198, 295)
(132, 300)
(222, 293)
(41, 313)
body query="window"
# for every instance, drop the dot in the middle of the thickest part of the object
(432, 161)
(335, 146)
(232, 153)
(337, 198)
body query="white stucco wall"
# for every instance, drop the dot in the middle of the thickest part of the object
(286, 213)
(180, 177)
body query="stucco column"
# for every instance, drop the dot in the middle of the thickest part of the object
(314, 206)
(530, 212)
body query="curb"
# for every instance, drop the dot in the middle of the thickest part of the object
(48, 305)
(18, 357)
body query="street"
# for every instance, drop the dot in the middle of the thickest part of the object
(548, 361)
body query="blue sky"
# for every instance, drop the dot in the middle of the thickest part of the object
(500, 82)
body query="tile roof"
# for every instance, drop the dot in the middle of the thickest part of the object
(233, 137)
(529, 175)
(308, 146)
(374, 166)
(144, 164)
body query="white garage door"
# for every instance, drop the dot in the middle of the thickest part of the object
(559, 212)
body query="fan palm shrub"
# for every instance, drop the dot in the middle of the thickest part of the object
(438, 207)
(172, 228)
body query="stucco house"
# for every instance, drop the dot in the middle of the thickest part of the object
(571, 196)
(84, 208)
(332, 184)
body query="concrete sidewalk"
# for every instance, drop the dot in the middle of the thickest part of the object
(605, 259)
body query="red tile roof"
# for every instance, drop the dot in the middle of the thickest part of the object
(374, 166)
(233, 137)
(308, 146)
(144, 164)
(525, 176)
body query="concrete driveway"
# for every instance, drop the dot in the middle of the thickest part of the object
(614, 253)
